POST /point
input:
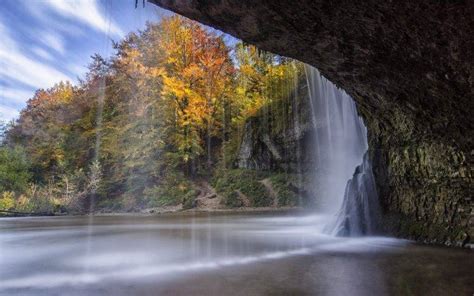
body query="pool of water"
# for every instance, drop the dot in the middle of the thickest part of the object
(218, 254)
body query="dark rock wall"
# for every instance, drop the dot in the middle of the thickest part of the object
(410, 67)
(425, 186)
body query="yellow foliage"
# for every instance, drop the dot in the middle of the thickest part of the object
(7, 200)
(198, 75)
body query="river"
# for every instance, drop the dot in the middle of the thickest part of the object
(273, 253)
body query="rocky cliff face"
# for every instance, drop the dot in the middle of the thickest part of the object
(279, 140)
(425, 186)
(410, 67)
(279, 143)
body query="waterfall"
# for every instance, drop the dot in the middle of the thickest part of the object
(359, 213)
(340, 146)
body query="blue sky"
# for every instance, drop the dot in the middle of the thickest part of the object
(45, 41)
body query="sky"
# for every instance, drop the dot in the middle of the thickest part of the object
(43, 42)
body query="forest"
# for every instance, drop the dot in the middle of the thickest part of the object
(143, 126)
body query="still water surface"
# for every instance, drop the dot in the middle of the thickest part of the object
(218, 254)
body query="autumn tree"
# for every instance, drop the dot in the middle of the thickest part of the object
(42, 129)
(197, 81)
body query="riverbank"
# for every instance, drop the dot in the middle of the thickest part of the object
(159, 211)
(165, 210)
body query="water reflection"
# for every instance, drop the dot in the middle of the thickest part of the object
(155, 254)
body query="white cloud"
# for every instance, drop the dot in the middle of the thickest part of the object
(8, 113)
(54, 41)
(78, 70)
(87, 12)
(19, 67)
(24, 67)
(16, 66)
(38, 10)
(42, 53)
(15, 96)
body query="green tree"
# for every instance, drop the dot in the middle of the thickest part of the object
(14, 170)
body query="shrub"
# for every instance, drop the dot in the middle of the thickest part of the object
(227, 182)
(23, 204)
(282, 184)
(7, 200)
(14, 174)
(172, 190)
(233, 200)
(189, 199)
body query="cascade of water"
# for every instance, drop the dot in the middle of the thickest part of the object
(340, 138)
(359, 213)
(340, 145)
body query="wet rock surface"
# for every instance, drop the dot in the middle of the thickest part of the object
(410, 67)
